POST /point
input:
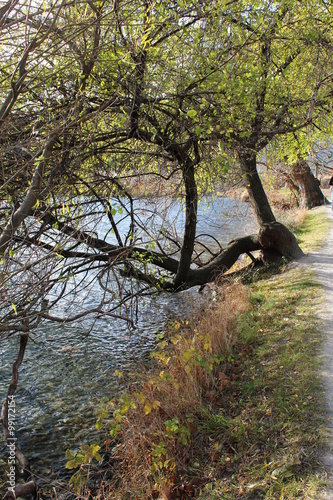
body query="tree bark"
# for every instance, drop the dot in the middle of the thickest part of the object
(310, 192)
(275, 237)
(224, 261)
(190, 226)
(30, 199)
(258, 198)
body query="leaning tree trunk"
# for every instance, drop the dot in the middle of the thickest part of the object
(276, 239)
(310, 192)
(257, 195)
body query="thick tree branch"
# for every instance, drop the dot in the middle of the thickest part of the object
(31, 197)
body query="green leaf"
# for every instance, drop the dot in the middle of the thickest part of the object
(94, 448)
(70, 454)
(192, 113)
(71, 464)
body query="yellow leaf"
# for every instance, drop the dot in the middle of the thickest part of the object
(94, 449)
(156, 405)
(140, 396)
(148, 408)
(118, 373)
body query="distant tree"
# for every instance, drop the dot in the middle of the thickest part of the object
(309, 190)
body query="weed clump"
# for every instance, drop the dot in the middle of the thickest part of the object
(156, 421)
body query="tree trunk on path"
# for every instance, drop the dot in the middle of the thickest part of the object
(310, 192)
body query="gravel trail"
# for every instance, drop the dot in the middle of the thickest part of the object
(321, 262)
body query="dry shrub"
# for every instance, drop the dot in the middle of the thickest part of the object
(281, 201)
(219, 321)
(158, 415)
(292, 218)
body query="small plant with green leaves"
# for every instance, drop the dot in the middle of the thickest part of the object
(82, 459)
(160, 460)
(174, 428)
(103, 412)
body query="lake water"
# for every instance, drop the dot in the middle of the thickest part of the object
(67, 370)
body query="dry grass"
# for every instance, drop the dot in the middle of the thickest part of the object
(155, 442)
(282, 199)
(219, 321)
(293, 219)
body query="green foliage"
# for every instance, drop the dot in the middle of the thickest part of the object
(82, 459)
(103, 412)
(192, 86)
(212, 422)
(160, 460)
(173, 428)
(124, 405)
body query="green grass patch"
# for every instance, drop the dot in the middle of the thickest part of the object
(273, 404)
(313, 231)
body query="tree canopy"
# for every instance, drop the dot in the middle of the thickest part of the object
(96, 96)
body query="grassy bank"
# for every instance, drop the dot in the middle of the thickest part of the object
(232, 408)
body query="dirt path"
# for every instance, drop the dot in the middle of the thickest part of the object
(321, 262)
